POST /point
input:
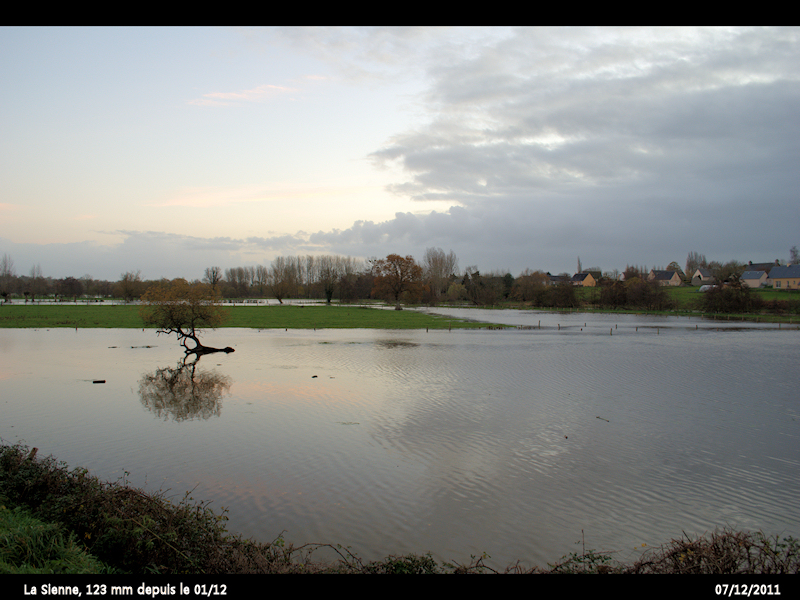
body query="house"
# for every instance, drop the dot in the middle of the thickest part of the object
(703, 277)
(766, 267)
(584, 280)
(665, 277)
(754, 279)
(785, 278)
(598, 275)
(556, 279)
(751, 266)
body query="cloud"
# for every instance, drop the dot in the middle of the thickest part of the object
(556, 134)
(370, 55)
(208, 196)
(260, 93)
(8, 210)
(155, 253)
(620, 145)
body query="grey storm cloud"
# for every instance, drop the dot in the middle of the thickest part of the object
(596, 134)
(405, 227)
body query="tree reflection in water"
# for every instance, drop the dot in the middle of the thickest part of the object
(184, 392)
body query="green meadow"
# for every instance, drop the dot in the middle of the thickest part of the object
(689, 298)
(686, 300)
(255, 317)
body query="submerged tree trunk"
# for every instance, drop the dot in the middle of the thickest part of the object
(203, 350)
(198, 349)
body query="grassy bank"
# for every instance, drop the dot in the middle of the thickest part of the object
(53, 519)
(256, 317)
(32, 547)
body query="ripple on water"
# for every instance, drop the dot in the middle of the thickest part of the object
(397, 441)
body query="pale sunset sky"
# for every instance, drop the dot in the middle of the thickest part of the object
(172, 149)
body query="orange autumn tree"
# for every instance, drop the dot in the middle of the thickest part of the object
(183, 309)
(395, 275)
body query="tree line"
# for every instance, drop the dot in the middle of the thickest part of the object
(312, 277)
(35, 285)
(435, 279)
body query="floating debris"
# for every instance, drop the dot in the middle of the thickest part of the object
(602, 419)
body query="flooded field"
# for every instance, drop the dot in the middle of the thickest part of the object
(626, 430)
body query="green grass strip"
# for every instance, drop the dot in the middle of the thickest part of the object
(256, 317)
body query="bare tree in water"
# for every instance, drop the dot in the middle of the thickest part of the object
(185, 310)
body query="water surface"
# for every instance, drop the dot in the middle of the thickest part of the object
(513, 442)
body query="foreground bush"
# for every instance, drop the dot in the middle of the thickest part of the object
(29, 546)
(724, 552)
(76, 515)
(124, 527)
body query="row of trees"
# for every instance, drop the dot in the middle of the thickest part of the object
(435, 279)
(36, 285)
(294, 276)
(348, 279)
(313, 277)
(318, 277)
(182, 308)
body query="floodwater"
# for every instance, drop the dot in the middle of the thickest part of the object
(613, 431)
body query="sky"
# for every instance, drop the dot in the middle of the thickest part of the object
(167, 150)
